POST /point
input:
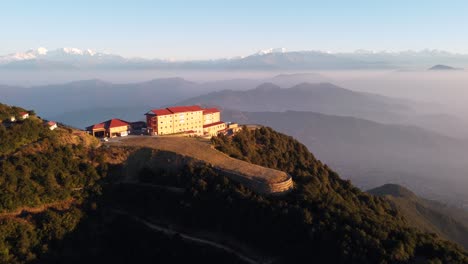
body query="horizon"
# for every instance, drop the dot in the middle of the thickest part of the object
(44, 50)
(163, 30)
(233, 131)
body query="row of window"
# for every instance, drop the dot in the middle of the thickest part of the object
(219, 126)
(160, 127)
(181, 121)
(182, 114)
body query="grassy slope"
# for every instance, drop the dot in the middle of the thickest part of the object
(202, 150)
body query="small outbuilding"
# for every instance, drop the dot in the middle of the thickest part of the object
(214, 128)
(52, 125)
(110, 128)
(24, 115)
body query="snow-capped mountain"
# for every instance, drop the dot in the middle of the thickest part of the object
(268, 59)
(62, 55)
(19, 56)
(269, 51)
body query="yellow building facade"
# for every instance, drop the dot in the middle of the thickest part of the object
(182, 119)
(211, 115)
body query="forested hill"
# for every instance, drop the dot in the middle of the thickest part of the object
(63, 200)
(44, 177)
(337, 217)
(427, 215)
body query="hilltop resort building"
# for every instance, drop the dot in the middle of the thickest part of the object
(191, 120)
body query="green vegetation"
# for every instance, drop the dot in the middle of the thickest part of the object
(20, 133)
(7, 111)
(394, 190)
(427, 215)
(324, 219)
(112, 238)
(42, 184)
(337, 218)
(23, 240)
(37, 167)
(270, 149)
(56, 173)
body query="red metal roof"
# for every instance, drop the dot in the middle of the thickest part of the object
(213, 124)
(161, 112)
(117, 123)
(96, 126)
(181, 109)
(109, 124)
(24, 113)
(175, 109)
(51, 123)
(210, 111)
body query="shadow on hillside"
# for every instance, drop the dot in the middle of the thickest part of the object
(106, 237)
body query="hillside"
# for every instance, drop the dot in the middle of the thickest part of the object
(66, 200)
(44, 176)
(50, 184)
(426, 215)
(260, 146)
(261, 179)
(394, 190)
(372, 154)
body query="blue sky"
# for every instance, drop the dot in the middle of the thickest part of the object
(212, 29)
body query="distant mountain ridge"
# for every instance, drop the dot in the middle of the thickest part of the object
(440, 67)
(269, 59)
(394, 190)
(324, 98)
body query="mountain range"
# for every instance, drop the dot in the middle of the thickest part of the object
(270, 59)
(369, 138)
(331, 99)
(98, 97)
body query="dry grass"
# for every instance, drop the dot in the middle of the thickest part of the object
(58, 205)
(201, 149)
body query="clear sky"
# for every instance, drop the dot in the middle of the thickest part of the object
(201, 29)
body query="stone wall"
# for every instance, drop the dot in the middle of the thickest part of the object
(262, 187)
(170, 161)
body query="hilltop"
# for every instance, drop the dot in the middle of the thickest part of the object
(261, 179)
(394, 190)
(440, 67)
(72, 202)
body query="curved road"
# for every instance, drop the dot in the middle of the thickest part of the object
(188, 237)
